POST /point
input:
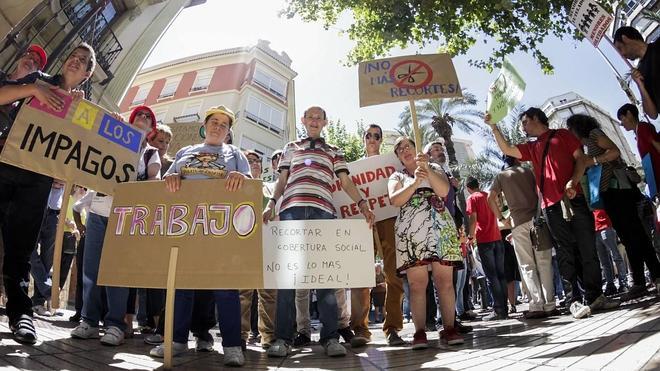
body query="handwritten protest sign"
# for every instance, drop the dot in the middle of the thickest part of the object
(304, 254)
(590, 19)
(217, 233)
(370, 175)
(505, 92)
(407, 78)
(81, 144)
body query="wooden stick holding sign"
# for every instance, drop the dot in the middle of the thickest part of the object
(169, 307)
(415, 125)
(57, 252)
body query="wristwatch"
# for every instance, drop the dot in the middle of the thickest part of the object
(501, 219)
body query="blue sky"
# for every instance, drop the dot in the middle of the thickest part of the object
(324, 80)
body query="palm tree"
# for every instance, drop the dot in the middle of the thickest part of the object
(442, 115)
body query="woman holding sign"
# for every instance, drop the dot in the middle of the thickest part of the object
(212, 159)
(425, 238)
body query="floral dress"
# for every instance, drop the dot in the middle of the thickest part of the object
(424, 230)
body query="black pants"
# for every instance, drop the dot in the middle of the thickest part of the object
(576, 250)
(23, 200)
(80, 253)
(621, 206)
(203, 316)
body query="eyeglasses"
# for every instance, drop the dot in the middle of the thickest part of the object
(402, 149)
(376, 136)
(143, 114)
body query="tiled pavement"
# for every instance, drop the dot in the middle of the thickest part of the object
(624, 339)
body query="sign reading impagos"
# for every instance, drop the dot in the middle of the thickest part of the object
(81, 144)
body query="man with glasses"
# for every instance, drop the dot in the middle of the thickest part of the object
(360, 298)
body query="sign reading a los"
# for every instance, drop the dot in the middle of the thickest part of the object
(82, 144)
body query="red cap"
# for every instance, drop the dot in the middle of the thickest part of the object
(42, 54)
(153, 118)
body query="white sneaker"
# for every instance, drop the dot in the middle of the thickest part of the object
(177, 350)
(85, 331)
(202, 345)
(278, 349)
(41, 311)
(234, 356)
(578, 310)
(334, 349)
(113, 336)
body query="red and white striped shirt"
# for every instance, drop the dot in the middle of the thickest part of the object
(312, 164)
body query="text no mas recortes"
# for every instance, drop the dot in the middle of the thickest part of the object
(60, 147)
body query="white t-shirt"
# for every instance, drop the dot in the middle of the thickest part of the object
(154, 159)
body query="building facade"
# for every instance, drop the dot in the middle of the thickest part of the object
(255, 82)
(635, 13)
(561, 107)
(122, 32)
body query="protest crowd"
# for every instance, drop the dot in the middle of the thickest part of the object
(455, 253)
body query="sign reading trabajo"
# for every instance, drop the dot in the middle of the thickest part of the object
(218, 234)
(82, 144)
(306, 254)
(371, 176)
(407, 78)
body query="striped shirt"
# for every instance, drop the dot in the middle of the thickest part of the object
(312, 164)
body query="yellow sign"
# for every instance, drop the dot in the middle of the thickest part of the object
(407, 78)
(80, 144)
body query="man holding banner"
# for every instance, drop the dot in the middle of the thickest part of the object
(360, 299)
(24, 194)
(306, 177)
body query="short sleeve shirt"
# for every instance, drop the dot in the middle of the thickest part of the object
(646, 134)
(203, 161)
(519, 188)
(487, 230)
(649, 66)
(559, 163)
(312, 165)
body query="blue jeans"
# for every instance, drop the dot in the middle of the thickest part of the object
(406, 298)
(117, 297)
(285, 325)
(492, 260)
(42, 260)
(607, 252)
(228, 307)
(461, 276)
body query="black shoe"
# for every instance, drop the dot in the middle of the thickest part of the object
(634, 292)
(610, 290)
(23, 330)
(346, 333)
(431, 327)
(301, 340)
(495, 317)
(393, 339)
(467, 316)
(461, 328)
(75, 318)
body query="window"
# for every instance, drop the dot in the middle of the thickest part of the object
(141, 95)
(202, 80)
(170, 87)
(265, 115)
(160, 114)
(190, 112)
(248, 144)
(270, 83)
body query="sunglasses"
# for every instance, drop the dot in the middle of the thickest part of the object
(376, 136)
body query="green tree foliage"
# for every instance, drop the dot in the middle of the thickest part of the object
(351, 143)
(380, 25)
(438, 117)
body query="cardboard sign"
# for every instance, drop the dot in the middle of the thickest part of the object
(505, 92)
(218, 234)
(590, 19)
(305, 254)
(81, 144)
(407, 78)
(370, 175)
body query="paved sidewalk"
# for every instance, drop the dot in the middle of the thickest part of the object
(624, 339)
